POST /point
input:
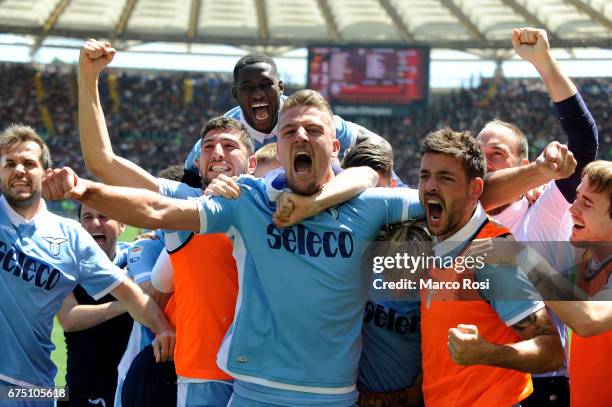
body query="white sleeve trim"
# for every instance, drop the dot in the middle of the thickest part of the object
(142, 277)
(405, 206)
(162, 276)
(534, 308)
(110, 288)
(203, 219)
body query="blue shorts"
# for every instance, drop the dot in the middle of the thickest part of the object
(204, 394)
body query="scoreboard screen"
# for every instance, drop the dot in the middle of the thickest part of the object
(369, 75)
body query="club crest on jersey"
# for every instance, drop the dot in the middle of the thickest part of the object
(54, 244)
(135, 253)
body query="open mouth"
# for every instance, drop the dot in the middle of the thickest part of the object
(434, 209)
(261, 111)
(578, 226)
(302, 163)
(99, 238)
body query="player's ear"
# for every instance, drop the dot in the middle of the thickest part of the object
(476, 188)
(336, 146)
(281, 86)
(234, 92)
(252, 164)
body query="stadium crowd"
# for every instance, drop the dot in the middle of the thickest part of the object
(255, 287)
(154, 126)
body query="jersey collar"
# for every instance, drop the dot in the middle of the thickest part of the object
(18, 220)
(462, 235)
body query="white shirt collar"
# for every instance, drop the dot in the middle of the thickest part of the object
(18, 220)
(462, 235)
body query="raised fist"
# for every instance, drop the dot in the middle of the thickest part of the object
(94, 57)
(531, 44)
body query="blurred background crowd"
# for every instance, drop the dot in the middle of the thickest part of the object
(155, 117)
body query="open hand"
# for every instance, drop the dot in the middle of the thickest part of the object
(223, 186)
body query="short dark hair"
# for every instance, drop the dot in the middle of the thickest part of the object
(459, 144)
(376, 156)
(173, 172)
(227, 123)
(252, 59)
(17, 134)
(180, 174)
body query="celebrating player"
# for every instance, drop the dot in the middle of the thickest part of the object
(45, 256)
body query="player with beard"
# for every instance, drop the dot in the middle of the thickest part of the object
(295, 337)
(226, 150)
(317, 299)
(467, 336)
(96, 332)
(44, 257)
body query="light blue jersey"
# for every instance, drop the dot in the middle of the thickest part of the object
(346, 133)
(42, 261)
(300, 306)
(121, 254)
(141, 258)
(175, 239)
(391, 355)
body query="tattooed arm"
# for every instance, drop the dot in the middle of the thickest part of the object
(539, 351)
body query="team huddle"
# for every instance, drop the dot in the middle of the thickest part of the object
(251, 291)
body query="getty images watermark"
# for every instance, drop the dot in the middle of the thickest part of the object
(419, 271)
(485, 269)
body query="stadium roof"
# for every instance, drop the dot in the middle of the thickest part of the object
(455, 24)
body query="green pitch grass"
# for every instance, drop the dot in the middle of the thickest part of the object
(57, 335)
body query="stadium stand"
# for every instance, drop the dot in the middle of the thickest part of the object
(154, 117)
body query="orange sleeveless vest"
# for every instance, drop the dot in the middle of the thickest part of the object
(591, 358)
(205, 291)
(446, 383)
